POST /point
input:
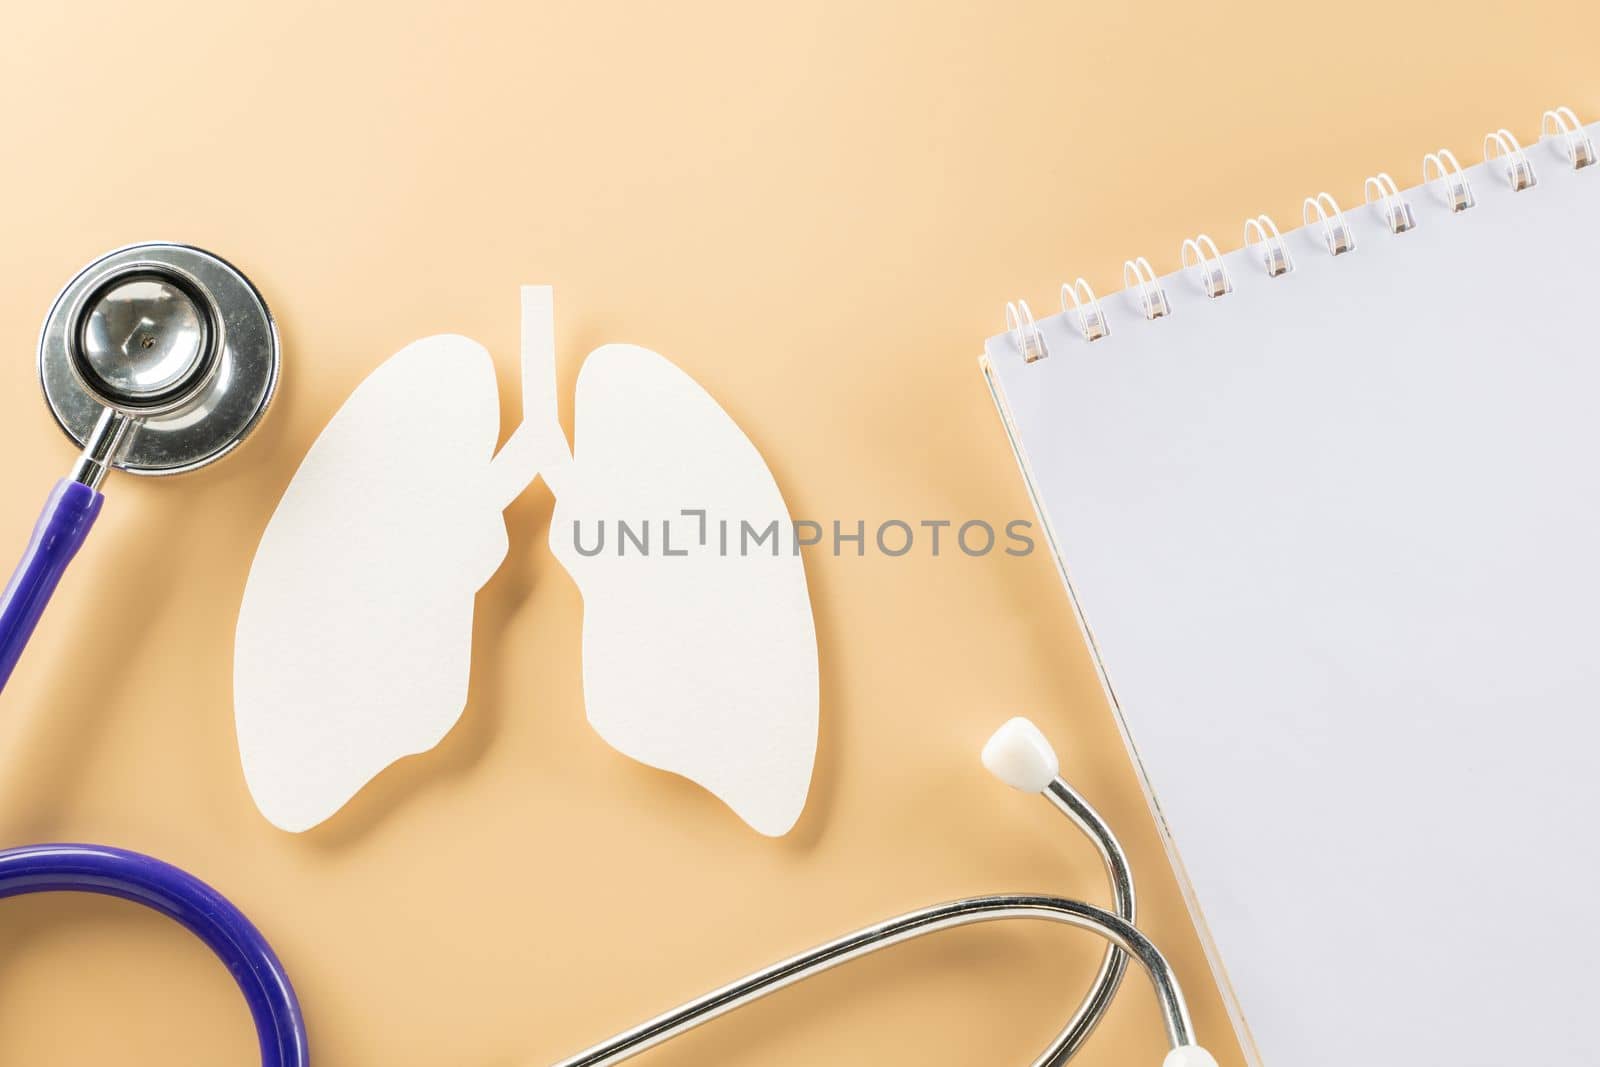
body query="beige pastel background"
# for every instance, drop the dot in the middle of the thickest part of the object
(817, 209)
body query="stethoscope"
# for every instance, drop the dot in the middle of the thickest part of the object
(160, 359)
(155, 359)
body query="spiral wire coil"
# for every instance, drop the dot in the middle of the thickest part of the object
(1202, 250)
(1442, 175)
(1561, 123)
(1397, 213)
(1275, 257)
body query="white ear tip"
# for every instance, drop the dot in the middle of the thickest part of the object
(1019, 756)
(1189, 1056)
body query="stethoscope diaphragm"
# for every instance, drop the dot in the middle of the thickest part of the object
(169, 336)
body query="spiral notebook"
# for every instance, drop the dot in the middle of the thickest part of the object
(1329, 512)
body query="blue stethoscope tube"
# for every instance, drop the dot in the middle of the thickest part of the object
(66, 520)
(100, 414)
(68, 516)
(116, 872)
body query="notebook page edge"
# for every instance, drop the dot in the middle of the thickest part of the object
(1169, 842)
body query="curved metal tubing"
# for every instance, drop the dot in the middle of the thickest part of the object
(1118, 929)
(1115, 964)
(1175, 1013)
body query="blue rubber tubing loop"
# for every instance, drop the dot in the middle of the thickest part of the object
(116, 872)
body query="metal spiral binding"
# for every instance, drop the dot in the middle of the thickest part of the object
(1562, 123)
(1091, 320)
(1440, 171)
(1335, 230)
(1519, 171)
(1213, 275)
(1444, 167)
(1396, 211)
(1152, 298)
(1275, 255)
(1025, 331)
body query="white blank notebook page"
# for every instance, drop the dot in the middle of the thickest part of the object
(1336, 538)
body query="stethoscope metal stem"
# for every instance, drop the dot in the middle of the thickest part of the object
(1115, 964)
(1175, 1012)
(1125, 939)
(101, 450)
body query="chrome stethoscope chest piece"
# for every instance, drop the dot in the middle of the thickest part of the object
(171, 338)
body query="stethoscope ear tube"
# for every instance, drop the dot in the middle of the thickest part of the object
(180, 896)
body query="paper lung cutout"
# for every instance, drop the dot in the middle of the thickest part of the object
(354, 638)
(705, 663)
